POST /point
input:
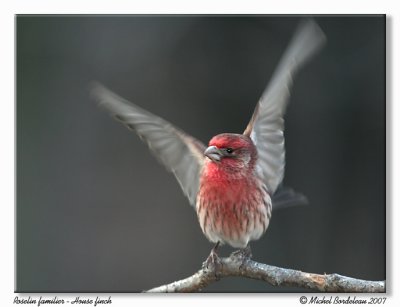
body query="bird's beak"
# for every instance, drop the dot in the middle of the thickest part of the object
(213, 153)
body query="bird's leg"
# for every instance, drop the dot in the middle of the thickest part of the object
(243, 254)
(213, 258)
(247, 252)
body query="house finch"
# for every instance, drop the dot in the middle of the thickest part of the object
(231, 181)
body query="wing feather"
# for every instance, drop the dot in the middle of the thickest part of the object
(267, 124)
(180, 153)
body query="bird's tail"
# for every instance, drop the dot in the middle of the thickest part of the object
(285, 197)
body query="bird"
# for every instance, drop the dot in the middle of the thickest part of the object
(231, 182)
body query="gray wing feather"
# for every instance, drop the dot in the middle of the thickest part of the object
(178, 152)
(267, 124)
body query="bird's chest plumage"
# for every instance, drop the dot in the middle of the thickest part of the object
(232, 209)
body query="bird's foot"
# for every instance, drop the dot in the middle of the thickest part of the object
(243, 255)
(213, 262)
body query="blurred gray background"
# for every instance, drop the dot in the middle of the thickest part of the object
(96, 212)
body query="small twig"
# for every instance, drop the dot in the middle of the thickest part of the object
(235, 265)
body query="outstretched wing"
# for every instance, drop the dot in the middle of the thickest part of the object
(267, 124)
(179, 152)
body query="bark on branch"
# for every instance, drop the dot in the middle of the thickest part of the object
(237, 265)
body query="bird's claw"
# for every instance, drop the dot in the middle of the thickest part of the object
(243, 255)
(213, 262)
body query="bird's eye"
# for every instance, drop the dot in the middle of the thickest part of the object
(229, 150)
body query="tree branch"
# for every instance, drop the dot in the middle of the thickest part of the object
(237, 265)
